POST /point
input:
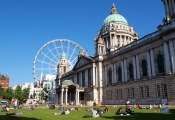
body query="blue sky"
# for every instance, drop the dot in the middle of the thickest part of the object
(26, 25)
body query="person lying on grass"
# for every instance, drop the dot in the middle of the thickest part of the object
(63, 112)
(166, 110)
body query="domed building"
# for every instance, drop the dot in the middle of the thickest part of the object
(124, 67)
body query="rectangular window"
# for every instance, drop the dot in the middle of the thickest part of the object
(102, 47)
(142, 93)
(147, 91)
(128, 93)
(89, 77)
(64, 69)
(116, 94)
(133, 95)
(165, 93)
(158, 91)
(83, 79)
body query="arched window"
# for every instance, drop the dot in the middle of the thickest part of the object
(144, 68)
(110, 77)
(119, 74)
(131, 71)
(160, 64)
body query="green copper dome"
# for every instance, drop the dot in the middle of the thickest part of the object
(67, 82)
(63, 56)
(114, 16)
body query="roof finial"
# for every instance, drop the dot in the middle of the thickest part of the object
(113, 9)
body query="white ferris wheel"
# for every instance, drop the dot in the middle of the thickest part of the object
(48, 57)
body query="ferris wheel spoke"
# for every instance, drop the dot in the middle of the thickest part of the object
(52, 53)
(45, 62)
(48, 57)
(72, 53)
(62, 46)
(73, 60)
(56, 49)
(68, 49)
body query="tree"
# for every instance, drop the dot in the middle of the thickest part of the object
(9, 94)
(1, 92)
(44, 95)
(25, 93)
(18, 93)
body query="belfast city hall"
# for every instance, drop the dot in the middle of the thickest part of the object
(124, 66)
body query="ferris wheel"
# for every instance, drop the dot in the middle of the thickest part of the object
(48, 57)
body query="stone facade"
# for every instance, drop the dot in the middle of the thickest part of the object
(127, 68)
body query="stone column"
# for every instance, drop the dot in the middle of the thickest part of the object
(78, 94)
(152, 63)
(106, 75)
(115, 77)
(86, 78)
(124, 43)
(167, 61)
(107, 42)
(80, 79)
(61, 96)
(123, 79)
(134, 66)
(125, 70)
(170, 8)
(138, 67)
(172, 59)
(66, 96)
(167, 11)
(75, 79)
(173, 7)
(149, 64)
(120, 41)
(93, 75)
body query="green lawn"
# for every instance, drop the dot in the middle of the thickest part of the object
(46, 114)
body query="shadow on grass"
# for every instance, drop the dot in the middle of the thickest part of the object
(144, 116)
(13, 117)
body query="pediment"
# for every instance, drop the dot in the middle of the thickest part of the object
(82, 60)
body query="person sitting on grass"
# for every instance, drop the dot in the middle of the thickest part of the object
(99, 112)
(106, 110)
(94, 113)
(138, 106)
(128, 110)
(60, 107)
(119, 111)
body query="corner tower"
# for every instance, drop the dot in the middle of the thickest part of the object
(114, 34)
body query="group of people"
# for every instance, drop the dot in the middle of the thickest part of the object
(127, 111)
(5, 108)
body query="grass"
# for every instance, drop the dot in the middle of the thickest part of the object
(46, 114)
